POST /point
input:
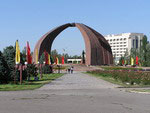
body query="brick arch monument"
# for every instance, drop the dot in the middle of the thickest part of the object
(97, 49)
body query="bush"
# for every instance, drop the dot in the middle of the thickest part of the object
(9, 55)
(47, 69)
(125, 76)
(4, 70)
(31, 70)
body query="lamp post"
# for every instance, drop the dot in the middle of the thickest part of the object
(41, 74)
(20, 67)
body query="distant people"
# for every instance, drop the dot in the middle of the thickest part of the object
(71, 69)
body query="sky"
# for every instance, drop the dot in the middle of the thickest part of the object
(28, 20)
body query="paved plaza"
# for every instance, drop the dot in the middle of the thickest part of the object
(75, 93)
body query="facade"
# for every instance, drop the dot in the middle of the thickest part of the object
(74, 61)
(120, 43)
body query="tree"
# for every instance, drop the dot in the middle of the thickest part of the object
(148, 55)
(4, 70)
(121, 60)
(144, 50)
(31, 70)
(9, 55)
(23, 54)
(83, 57)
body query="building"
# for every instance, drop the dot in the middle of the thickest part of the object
(122, 43)
(74, 61)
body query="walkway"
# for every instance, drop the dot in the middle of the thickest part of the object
(75, 93)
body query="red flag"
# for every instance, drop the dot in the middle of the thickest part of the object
(28, 52)
(137, 60)
(122, 62)
(46, 57)
(62, 59)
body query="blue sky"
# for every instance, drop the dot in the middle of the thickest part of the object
(28, 20)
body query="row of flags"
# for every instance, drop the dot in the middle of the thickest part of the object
(48, 58)
(133, 62)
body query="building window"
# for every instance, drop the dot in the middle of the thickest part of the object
(133, 43)
(136, 43)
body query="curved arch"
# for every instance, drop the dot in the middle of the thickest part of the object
(98, 51)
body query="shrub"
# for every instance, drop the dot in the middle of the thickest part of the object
(4, 70)
(124, 76)
(46, 69)
(31, 70)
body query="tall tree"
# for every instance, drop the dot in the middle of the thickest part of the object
(144, 51)
(148, 55)
(4, 70)
(9, 55)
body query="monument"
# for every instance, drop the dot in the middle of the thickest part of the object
(97, 49)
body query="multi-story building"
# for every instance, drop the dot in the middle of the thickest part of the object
(121, 43)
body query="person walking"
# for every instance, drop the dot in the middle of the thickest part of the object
(71, 69)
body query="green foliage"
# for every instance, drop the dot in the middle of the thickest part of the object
(83, 57)
(31, 70)
(143, 52)
(46, 69)
(119, 68)
(42, 59)
(125, 76)
(4, 70)
(9, 55)
(30, 85)
(121, 60)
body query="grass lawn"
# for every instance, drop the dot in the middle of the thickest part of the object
(141, 90)
(109, 79)
(119, 68)
(30, 85)
(118, 82)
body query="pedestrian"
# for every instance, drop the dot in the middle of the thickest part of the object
(71, 69)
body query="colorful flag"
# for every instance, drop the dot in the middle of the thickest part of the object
(17, 53)
(62, 59)
(132, 61)
(28, 52)
(46, 57)
(49, 59)
(36, 61)
(137, 60)
(57, 60)
(122, 62)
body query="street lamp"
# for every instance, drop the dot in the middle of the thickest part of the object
(41, 65)
(20, 67)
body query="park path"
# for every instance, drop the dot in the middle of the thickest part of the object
(75, 93)
(78, 80)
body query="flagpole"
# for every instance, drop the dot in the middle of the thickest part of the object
(20, 66)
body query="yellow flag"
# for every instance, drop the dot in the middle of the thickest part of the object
(36, 56)
(17, 53)
(132, 61)
(57, 60)
(49, 60)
